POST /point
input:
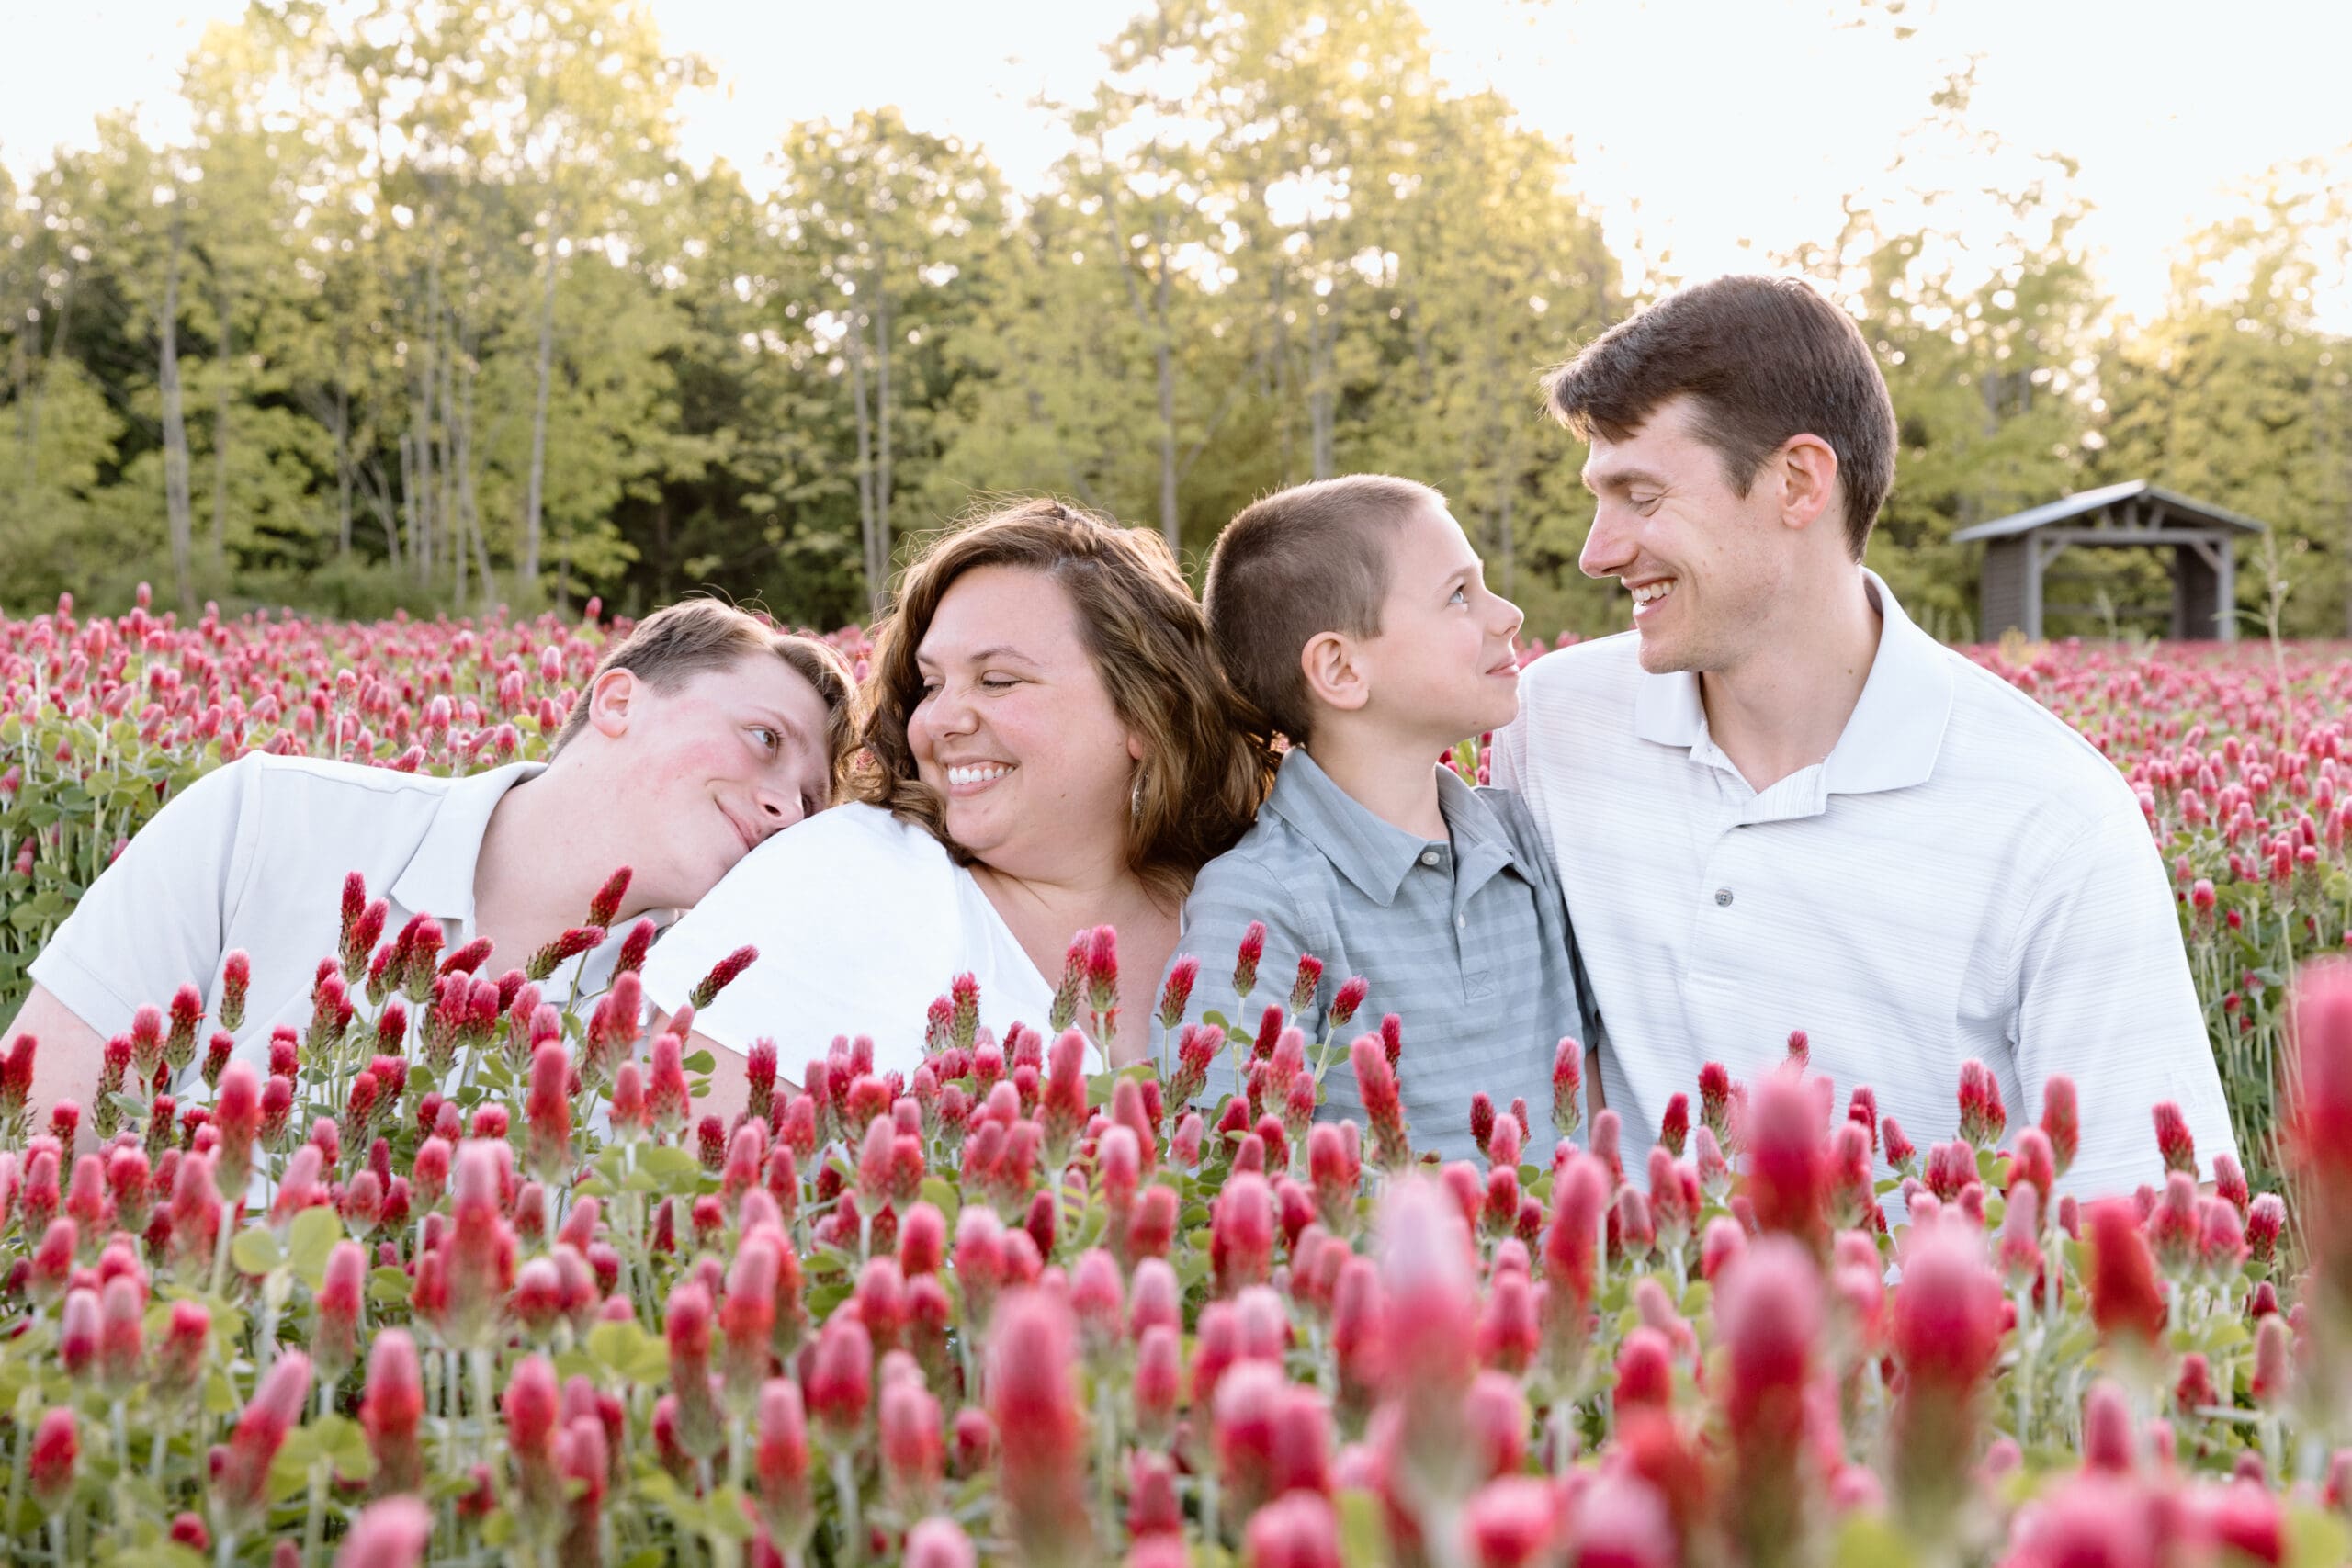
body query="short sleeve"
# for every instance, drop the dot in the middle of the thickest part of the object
(2105, 997)
(858, 929)
(1507, 756)
(1527, 844)
(1231, 891)
(157, 917)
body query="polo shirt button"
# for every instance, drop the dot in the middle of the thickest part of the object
(1722, 898)
(1461, 922)
(1429, 857)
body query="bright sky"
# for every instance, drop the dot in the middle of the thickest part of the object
(1709, 132)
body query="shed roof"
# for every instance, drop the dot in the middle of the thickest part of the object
(2171, 510)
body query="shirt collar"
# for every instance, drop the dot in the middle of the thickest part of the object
(1374, 854)
(439, 878)
(1893, 735)
(1892, 738)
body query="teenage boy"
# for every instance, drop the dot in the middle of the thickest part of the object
(703, 732)
(1779, 805)
(1353, 616)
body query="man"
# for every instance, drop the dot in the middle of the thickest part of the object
(1776, 803)
(702, 732)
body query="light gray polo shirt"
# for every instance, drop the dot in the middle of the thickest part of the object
(253, 855)
(1464, 938)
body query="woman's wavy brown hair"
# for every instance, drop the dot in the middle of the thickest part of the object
(1202, 776)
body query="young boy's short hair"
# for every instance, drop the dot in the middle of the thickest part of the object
(1298, 563)
(697, 637)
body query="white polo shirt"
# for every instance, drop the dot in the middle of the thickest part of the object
(253, 855)
(861, 920)
(1965, 876)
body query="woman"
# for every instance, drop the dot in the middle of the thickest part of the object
(1048, 747)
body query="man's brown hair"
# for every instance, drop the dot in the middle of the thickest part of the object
(1202, 776)
(697, 637)
(1300, 562)
(1763, 359)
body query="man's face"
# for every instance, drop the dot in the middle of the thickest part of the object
(721, 760)
(1704, 564)
(1444, 662)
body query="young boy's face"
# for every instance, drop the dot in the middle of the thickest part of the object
(1445, 664)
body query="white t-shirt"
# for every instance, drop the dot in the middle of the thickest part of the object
(1963, 877)
(253, 855)
(861, 920)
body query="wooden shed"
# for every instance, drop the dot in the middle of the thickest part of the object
(2199, 537)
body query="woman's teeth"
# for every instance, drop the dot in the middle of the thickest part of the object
(1649, 592)
(985, 774)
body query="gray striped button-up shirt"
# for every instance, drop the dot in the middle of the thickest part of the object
(1465, 939)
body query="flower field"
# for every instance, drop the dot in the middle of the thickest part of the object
(1019, 1309)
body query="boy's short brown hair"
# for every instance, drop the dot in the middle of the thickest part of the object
(1765, 359)
(1300, 562)
(697, 637)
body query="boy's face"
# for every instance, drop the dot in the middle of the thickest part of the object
(721, 760)
(1445, 663)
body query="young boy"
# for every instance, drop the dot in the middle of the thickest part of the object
(1353, 616)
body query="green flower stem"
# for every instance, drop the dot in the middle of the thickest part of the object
(228, 1223)
(1561, 1422)
(1106, 1457)
(2029, 1346)
(315, 1513)
(484, 1401)
(845, 1500)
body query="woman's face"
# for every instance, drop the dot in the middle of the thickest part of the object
(1016, 730)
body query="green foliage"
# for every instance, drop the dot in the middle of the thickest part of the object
(2235, 393)
(454, 319)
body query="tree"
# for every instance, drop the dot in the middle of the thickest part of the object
(1990, 348)
(2235, 394)
(891, 228)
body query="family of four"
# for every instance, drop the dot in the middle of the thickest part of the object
(1775, 804)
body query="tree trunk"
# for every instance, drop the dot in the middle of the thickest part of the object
(663, 558)
(430, 523)
(1321, 330)
(453, 523)
(19, 375)
(1281, 383)
(1510, 535)
(1164, 363)
(468, 504)
(40, 384)
(176, 508)
(1153, 320)
(342, 462)
(379, 502)
(535, 490)
(880, 580)
(221, 371)
(869, 531)
(408, 489)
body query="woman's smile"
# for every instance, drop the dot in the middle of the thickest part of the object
(968, 779)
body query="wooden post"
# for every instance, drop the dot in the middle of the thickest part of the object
(2225, 605)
